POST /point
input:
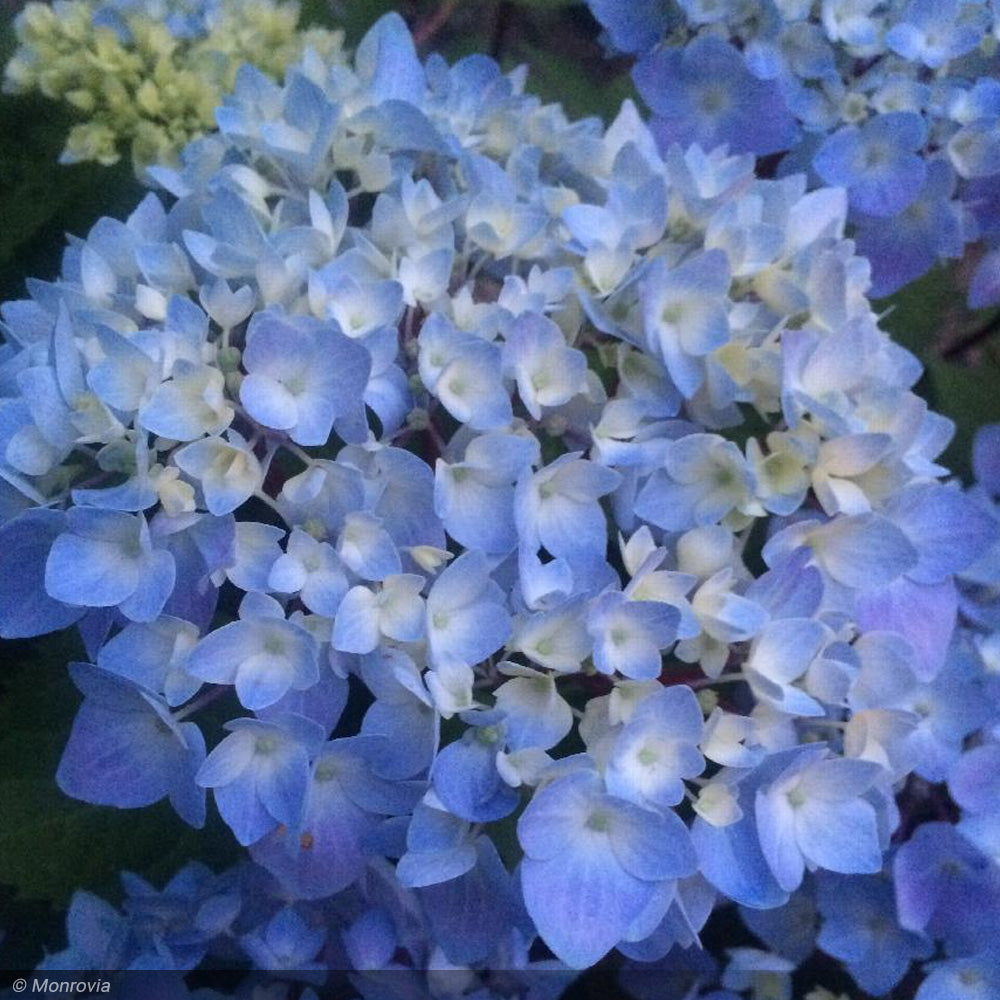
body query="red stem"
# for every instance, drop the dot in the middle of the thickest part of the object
(427, 29)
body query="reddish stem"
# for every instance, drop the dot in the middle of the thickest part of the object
(427, 29)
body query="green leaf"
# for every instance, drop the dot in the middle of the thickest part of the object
(51, 845)
(318, 14)
(8, 41)
(43, 199)
(969, 397)
(580, 89)
(920, 316)
(355, 17)
(31, 188)
(915, 316)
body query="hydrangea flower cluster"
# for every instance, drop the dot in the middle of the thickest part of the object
(898, 102)
(580, 474)
(946, 852)
(147, 75)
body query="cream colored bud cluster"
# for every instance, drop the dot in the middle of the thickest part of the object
(141, 91)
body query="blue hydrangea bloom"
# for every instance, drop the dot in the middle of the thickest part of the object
(447, 394)
(705, 94)
(125, 750)
(876, 162)
(260, 773)
(590, 866)
(874, 97)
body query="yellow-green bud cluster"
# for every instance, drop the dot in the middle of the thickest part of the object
(144, 92)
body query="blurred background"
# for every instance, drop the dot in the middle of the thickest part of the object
(51, 846)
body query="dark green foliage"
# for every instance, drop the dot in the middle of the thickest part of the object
(959, 351)
(50, 845)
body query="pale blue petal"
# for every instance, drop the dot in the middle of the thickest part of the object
(582, 902)
(356, 627)
(840, 837)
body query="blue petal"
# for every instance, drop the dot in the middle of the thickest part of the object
(582, 902)
(387, 58)
(469, 915)
(468, 784)
(26, 609)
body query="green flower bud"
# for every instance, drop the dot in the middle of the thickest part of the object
(229, 359)
(152, 93)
